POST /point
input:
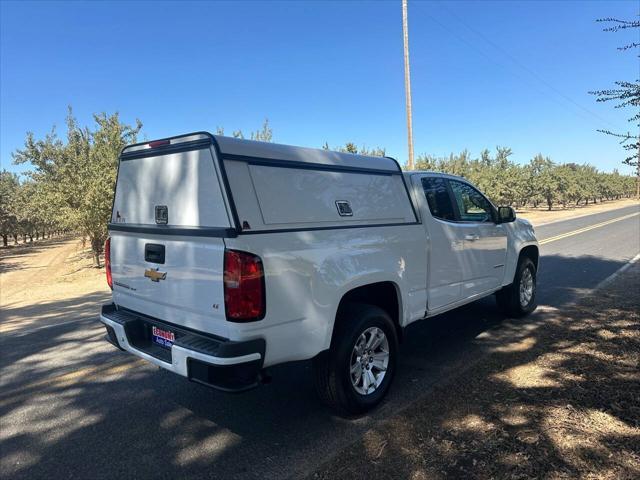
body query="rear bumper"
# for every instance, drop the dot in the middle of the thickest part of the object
(212, 361)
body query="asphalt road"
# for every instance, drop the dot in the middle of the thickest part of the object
(71, 406)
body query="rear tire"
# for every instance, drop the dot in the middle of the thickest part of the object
(354, 375)
(519, 298)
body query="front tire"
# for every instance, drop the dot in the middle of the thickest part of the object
(354, 375)
(519, 298)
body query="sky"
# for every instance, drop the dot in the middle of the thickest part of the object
(483, 73)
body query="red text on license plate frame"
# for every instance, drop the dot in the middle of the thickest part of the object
(164, 338)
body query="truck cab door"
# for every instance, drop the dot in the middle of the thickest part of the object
(485, 241)
(446, 241)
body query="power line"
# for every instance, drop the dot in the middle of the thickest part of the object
(530, 71)
(496, 62)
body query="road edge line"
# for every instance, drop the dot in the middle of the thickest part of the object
(588, 228)
(616, 274)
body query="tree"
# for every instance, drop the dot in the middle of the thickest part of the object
(77, 177)
(104, 145)
(626, 94)
(265, 134)
(540, 181)
(351, 147)
(9, 186)
(426, 162)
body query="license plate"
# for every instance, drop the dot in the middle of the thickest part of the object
(164, 338)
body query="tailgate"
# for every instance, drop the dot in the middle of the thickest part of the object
(169, 219)
(186, 289)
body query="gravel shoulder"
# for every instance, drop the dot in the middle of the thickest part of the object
(562, 400)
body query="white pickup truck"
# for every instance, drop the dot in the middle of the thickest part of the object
(228, 256)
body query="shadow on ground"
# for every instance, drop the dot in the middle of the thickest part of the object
(9, 255)
(559, 399)
(100, 413)
(43, 327)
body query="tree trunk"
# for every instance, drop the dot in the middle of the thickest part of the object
(15, 239)
(30, 238)
(96, 247)
(4, 240)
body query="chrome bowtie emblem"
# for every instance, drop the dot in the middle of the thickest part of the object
(155, 275)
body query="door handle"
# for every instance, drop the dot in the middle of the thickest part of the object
(471, 238)
(154, 253)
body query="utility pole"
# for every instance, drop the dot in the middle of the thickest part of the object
(407, 83)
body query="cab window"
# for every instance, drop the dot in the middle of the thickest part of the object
(471, 205)
(438, 198)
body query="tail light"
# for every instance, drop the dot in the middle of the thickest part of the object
(107, 261)
(244, 292)
(159, 143)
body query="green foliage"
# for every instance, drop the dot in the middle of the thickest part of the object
(9, 188)
(265, 134)
(351, 147)
(541, 181)
(72, 184)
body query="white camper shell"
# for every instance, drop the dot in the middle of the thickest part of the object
(227, 256)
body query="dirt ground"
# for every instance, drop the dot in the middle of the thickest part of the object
(562, 401)
(539, 216)
(37, 274)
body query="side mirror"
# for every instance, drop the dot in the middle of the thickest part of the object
(506, 214)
